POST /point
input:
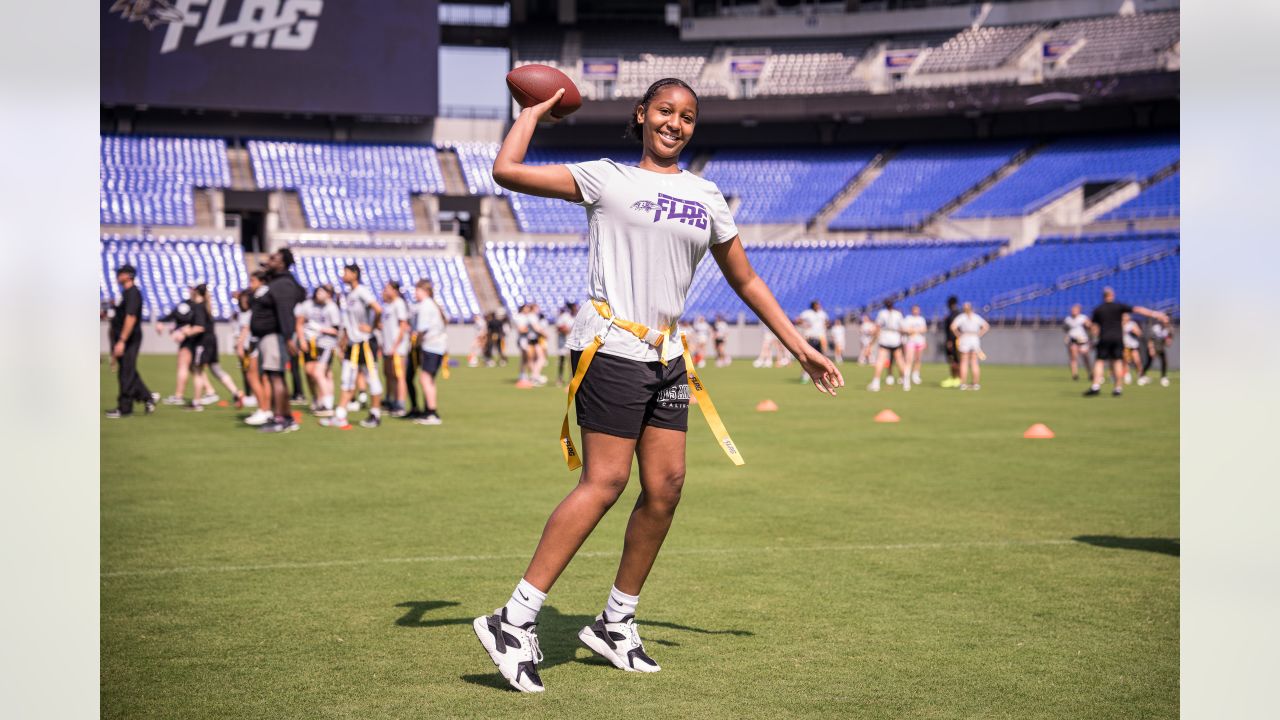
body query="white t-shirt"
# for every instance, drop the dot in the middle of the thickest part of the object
(815, 324)
(1159, 332)
(702, 329)
(837, 334)
(890, 322)
(1132, 335)
(867, 329)
(564, 323)
(392, 313)
(648, 231)
(432, 328)
(968, 324)
(1077, 327)
(358, 311)
(915, 326)
(316, 318)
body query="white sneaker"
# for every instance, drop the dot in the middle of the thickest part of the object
(514, 649)
(353, 406)
(976, 387)
(964, 387)
(334, 421)
(906, 384)
(874, 386)
(915, 378)
(619, 643)
(1128, 379)
(1164, 382)
(210, 399)
(249, 401)
(259, 417)
(1144, 380)
(175, 400)
(432, 419)
(888, 380)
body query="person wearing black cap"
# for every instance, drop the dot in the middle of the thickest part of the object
(126, 339)
(274, 324)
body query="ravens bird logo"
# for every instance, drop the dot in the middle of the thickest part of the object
(149, 12)
(645, 205)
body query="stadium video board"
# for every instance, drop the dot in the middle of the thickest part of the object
(371, 57)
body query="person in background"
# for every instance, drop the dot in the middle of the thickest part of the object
(1107, 324)
(240, 299)
(949, 343)
(180, 316)
(274, 325)
(316, 323)
(206, 352)
(247, 348)
(701, 340)
(564, 323)
(720, 335)
(359, 351)
(1076, 326)
(433, 345)
(837, 334)
(1159, 340)
(395, 347)
(889, 338)
(813, 326)
(481, 325)
(969, 327)
(1132, 350)
(125, 336)
(867, 337)
(495, 347)
(916, 328)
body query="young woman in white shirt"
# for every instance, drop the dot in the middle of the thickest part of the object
(650, 224)
(969, 328)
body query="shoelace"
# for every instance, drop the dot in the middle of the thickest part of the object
(537, 648)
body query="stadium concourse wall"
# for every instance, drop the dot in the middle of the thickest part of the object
(1008, 345)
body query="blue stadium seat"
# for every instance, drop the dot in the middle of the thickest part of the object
(784, 185)
(149, 180)
(921, 179)
(1067, 164)
(1162, 199)
(169, 266)
(1041, 282)
(349, 187)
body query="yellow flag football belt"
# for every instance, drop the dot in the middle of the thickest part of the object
(657, 339)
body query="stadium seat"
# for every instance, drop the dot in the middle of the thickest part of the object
(149, 180)
(169, 266)
(447, 274)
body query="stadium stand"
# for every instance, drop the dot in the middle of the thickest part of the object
(149, 180)
(1066, 164)
(169, 266)
(1115, 45)
(978, 48)
(476, 160)
(646, 56)
(449, 274)
(846, 277)
(349, 187)
(920, 180)
(1161, 199)
(813, 67)
(784, 185)
(1039, 282)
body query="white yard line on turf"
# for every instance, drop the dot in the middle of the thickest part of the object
(587, 554)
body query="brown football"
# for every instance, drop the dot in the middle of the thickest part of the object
(532, 84)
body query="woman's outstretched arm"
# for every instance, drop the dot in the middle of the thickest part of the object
(509, 170)
(737, 270)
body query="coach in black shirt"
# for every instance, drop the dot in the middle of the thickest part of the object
(126, 339)
(1107, 325)
(273, 324)
(949, 342)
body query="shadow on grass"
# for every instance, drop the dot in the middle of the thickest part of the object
(1163, 546)
(557, 635)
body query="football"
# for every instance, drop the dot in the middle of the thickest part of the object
(532, 84)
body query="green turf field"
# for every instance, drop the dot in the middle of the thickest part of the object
(942, 567)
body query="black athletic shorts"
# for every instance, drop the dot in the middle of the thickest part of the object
(953, 355)
(206, 351)
(890, 349)
(620, 397)
(1110, 349)
(362, 357)
(815, 344)
(429, 362)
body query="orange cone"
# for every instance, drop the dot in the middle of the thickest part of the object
(222, 403)
(887, 416)
(1039, 431)
(767, 406)
(297, 416)
(523, 384)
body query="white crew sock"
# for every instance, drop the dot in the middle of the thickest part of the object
(619, 605)
(326, 402)
(524, 604)
(376, 412)
(341, 412)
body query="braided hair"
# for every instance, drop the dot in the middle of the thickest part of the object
(633, 128)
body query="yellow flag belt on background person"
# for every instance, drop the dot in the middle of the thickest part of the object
(657, 339)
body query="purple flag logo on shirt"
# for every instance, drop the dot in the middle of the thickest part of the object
(688, 212)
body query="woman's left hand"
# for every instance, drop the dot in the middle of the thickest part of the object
(826, 378)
